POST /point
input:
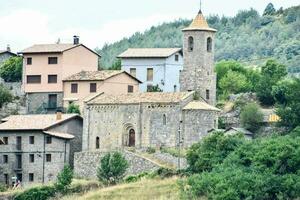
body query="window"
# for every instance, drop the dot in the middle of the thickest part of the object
(74, 88)
(149, 88)
(5, 159)
(31, 139)
(164, 119)
(150, 74)
(209, 44)
(31, 177)
(52, 78)
(130, 89)
(5, 140)
(97, 142)
(19, 143)
(33, 79)
(29, 61)
(190, 43)
(6, 179)
(175, 88)
(52, 60)
(48, 140)
(31, 158)
(93, 87)
(20, 177)
(207, 94)
(48, 157)
(133, 71)
(19, 161)
(176, 57)
(52, 101)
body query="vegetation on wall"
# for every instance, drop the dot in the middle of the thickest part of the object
(247, 37)
(5, 96)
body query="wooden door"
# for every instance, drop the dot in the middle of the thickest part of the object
(131, 138)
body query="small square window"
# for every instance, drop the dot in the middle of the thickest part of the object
(31, 177)
(52, 60)
(5, 159)
(48, 139)
(176, 57)
(31, 158)
(29, 61)
(48, 157)
(6, 179)
(34, 79)
(130, 89)
(5, 140)
(74, 88)
(52, 78)
(31, 139)
(93, 87)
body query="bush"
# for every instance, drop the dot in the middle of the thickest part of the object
(112, 168)
(37, 193)
(166, 173)
(64, 179)
(73, 108)
(212, 150)
(11, 70)
(3, 188)
(150, 150)
(135, 178)
(251, 117)
(5, 96)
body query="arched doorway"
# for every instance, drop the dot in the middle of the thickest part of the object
(131, 142)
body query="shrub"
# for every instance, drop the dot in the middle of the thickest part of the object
(174, 151)
(150, 150)
(135, 178)
(64, 179)
(112, 168)
(3, 188)
(73, 108)
(165, 172)
(5, 96)
(251, 117)
(212, 150)
(37, 193)
(11, 70)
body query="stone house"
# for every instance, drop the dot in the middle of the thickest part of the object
(6, 54)
(35, 148)
(46, 66)
(144, 120)
(154, 66)
(87, 84)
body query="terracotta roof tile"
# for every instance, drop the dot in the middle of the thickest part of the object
(32, 122)
(48, 48)
(149, 52)
(60, 135)
(199, 23)
(134, 98)
(93, 75)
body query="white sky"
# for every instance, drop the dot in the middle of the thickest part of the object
(27, 22)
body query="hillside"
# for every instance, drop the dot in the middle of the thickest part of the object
(249, 37)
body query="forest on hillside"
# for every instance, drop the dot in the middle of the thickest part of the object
(248, 37)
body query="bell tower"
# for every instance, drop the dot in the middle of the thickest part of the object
(198, 51)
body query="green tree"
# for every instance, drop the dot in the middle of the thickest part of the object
(11, 70)
(251, 117)
(270, 9)
(271, 73)
(234, 82)
(117, 65)
(5, 96)
(64, 179)
(112, 168)
(73, 108)
(287, 96)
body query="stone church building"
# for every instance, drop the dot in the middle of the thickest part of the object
(144, 120)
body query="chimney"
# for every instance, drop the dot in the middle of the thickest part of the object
(58, 115)
(75, 39)
(8, 48)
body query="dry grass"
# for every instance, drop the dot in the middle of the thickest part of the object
(154, 189)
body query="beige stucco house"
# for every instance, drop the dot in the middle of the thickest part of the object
(44, 68)
(86, 84)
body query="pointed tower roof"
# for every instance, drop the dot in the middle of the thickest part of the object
(199, 24)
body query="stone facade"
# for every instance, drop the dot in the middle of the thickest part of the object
(38, 103)
(198, 69)
(86, 164)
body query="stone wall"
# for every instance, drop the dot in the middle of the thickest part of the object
(172, 160)
(86, 164)
(14, 87)
(35, 102)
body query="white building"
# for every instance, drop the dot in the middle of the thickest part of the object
(154, 66)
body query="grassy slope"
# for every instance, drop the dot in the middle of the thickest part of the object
(154, 189)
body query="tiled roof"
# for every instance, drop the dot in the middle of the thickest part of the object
(149, 52)
(48, 48)
(200, 105)
(199, 23)
(33, 122)
(240, 130)
(134, 98)
(60, 135)
(5, 51)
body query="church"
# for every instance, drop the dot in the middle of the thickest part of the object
(142, 120)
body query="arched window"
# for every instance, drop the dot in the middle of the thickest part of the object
(191, 43)
(209, 44)
(164, 119)
(97, 143)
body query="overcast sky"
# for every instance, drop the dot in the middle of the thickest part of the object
(27, 22)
